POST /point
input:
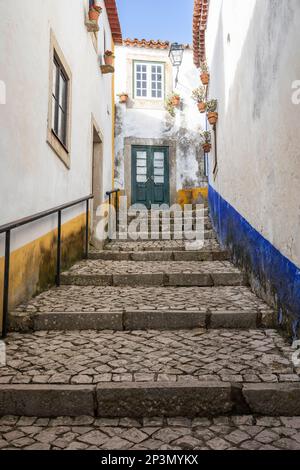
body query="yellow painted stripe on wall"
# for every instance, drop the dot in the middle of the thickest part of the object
(32, 267)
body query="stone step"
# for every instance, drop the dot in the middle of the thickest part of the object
(169, 226)
(141, 308)
(160, 245)
(132, 374)
(158, 273)
(188, 235)
(160, 255)
(242, 432)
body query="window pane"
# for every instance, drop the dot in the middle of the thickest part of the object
(144, 93)
(138, 68)
(53, 113)
(138, 76)
(144, 68)
(141, 179)
(159, 69)
(141, 155)
(159, 94)
(159, 180)
(138, 93)
(62, 91)
(61, 126)
(54, 79)
(138, 84)
(144, 77)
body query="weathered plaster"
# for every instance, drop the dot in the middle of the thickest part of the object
(253, 54)
(147, 120)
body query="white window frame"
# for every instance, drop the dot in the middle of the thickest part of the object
(148, 79)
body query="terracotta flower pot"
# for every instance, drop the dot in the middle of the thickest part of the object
(202, 107)
(176, 101)
(94, 15)
(109, 59)
(212, 118)
(123, 98)
(205, 78)
(206, 147)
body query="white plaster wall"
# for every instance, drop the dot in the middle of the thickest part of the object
(32, 177)
(148, 123)
(253, 53)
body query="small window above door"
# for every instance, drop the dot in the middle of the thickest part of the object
(149, 80)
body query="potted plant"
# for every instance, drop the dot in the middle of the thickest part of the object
(95, 11)
(123, 97)
(212, 115)
(170, 106)
(205, 76)
(175, 98)
(206, 141)
(109, 58)
(199, 95)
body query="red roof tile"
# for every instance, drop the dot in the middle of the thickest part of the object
(113, 18)
(200, 15)
(151, 43)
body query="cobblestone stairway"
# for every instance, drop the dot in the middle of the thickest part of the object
(147, 329)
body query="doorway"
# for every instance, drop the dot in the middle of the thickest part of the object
(97, 180)
(150, 175)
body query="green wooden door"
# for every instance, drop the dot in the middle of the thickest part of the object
(150, 175)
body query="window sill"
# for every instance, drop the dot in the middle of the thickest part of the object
(148, 103)
(58, 148)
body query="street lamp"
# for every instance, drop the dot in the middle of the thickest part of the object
(176, 55)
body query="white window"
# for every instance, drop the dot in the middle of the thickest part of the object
(149, 80)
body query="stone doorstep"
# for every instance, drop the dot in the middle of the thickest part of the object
(160, 256)
(167, 235)
(131, 319)
(150, 399)
(156, 279)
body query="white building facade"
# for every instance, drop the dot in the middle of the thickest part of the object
(254, 191)
(56, 128)
(145, 130)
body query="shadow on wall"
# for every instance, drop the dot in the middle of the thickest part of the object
(272, 276)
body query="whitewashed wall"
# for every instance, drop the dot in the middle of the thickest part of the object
(147, 123)
(32, 177)
(253, 53)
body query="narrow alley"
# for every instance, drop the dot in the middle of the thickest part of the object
(149, 242)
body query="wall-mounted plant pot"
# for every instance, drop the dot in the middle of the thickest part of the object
(176, 101)
(206, 148)
(109, 60)
(205, 78)
(107, 69)
(212, 118)
(94, 14)
(202, 106)
(123, 98)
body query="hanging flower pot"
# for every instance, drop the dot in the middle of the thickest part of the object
(204, 73)
(206, 141)
(94, 13)
(202, 106)
(123, 97)
(212, 115)
(212, 118)
(206, 147)
(205, 78)
(109, 58)
(175, 100)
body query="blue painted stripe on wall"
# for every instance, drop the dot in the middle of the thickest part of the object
(256, 253)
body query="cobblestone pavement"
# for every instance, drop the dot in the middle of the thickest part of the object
(99, 267)
(86, 433)
(97, 299)
(90, 357)
(159, 245)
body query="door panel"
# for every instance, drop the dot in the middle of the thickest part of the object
(150, 175)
